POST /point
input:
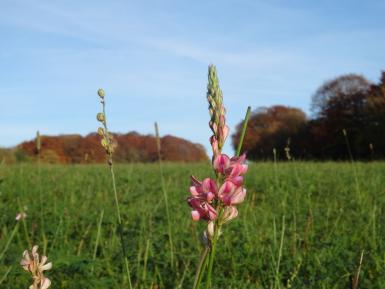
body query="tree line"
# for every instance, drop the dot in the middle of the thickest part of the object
(130, 147)
(347, 122)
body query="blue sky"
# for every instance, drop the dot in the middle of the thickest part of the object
(151, 57)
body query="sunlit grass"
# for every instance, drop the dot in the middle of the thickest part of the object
(326, 223)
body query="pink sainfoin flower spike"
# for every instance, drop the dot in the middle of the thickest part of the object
(212, 198)
(36, 266)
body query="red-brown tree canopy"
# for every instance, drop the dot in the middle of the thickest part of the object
(269, 128)
(131, 147)
(348, 121)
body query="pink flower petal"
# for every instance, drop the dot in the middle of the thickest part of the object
(45, 283)
(209, 185)
(238, 196)
(47, 266)
(229, 213)
(238, 181)
(210, 196)
(193, 191)
(195, 215)
(221, 163)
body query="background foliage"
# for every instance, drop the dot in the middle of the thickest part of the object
(348, 121)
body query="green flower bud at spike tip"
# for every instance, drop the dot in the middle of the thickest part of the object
(100, 117)
(101, 93)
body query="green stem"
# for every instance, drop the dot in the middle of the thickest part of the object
(120, 226)
(119, 218)
(246, 120)
(24, 225)
(212, 256)
(201, 267)
(5, 275)
(41, 204)
(9, 240)
(164, 194)
(97, 240)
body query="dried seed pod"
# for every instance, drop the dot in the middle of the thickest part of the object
(100, 117)
(101, 93)
(101, 131)
(104, 143)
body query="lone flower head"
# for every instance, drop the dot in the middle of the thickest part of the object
(214, 200)
(36, 266)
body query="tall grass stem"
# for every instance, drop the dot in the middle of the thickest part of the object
(117, 206)
(158, 146)
(245, 121)
(9, 240)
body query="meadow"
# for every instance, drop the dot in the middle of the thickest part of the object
(303, 225)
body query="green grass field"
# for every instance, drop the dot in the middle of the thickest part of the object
(304, 222)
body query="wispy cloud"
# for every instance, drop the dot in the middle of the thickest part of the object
(152, 58)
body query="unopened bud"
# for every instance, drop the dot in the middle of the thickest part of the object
(210, 230)
(100, 117)
(101, 93)
(101, 131)
(104, 143)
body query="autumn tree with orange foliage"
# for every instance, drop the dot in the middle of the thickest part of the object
(131, 147)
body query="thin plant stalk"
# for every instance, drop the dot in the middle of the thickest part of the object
(344, 132)
(246, 120)
(209, 252)
(158, 146)
(5, 275)
(109, 149)
(280, 252)
(9, 240)
(24, 225)
(212, 256)
(97, 240)
(357, 275)
(201, 266)
(38, 149)
(120, 226)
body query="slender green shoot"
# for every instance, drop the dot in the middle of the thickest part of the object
(109, 147)
(97, 240)
(246, 120)
(9, 240)
(5, 275)
(158, 146)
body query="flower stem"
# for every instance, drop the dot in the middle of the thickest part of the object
(201, 267)
(120, 226)
(9, 240)
(164, 194)
(212, 256)
(246, 120)
(119, 217)
(97, 240)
